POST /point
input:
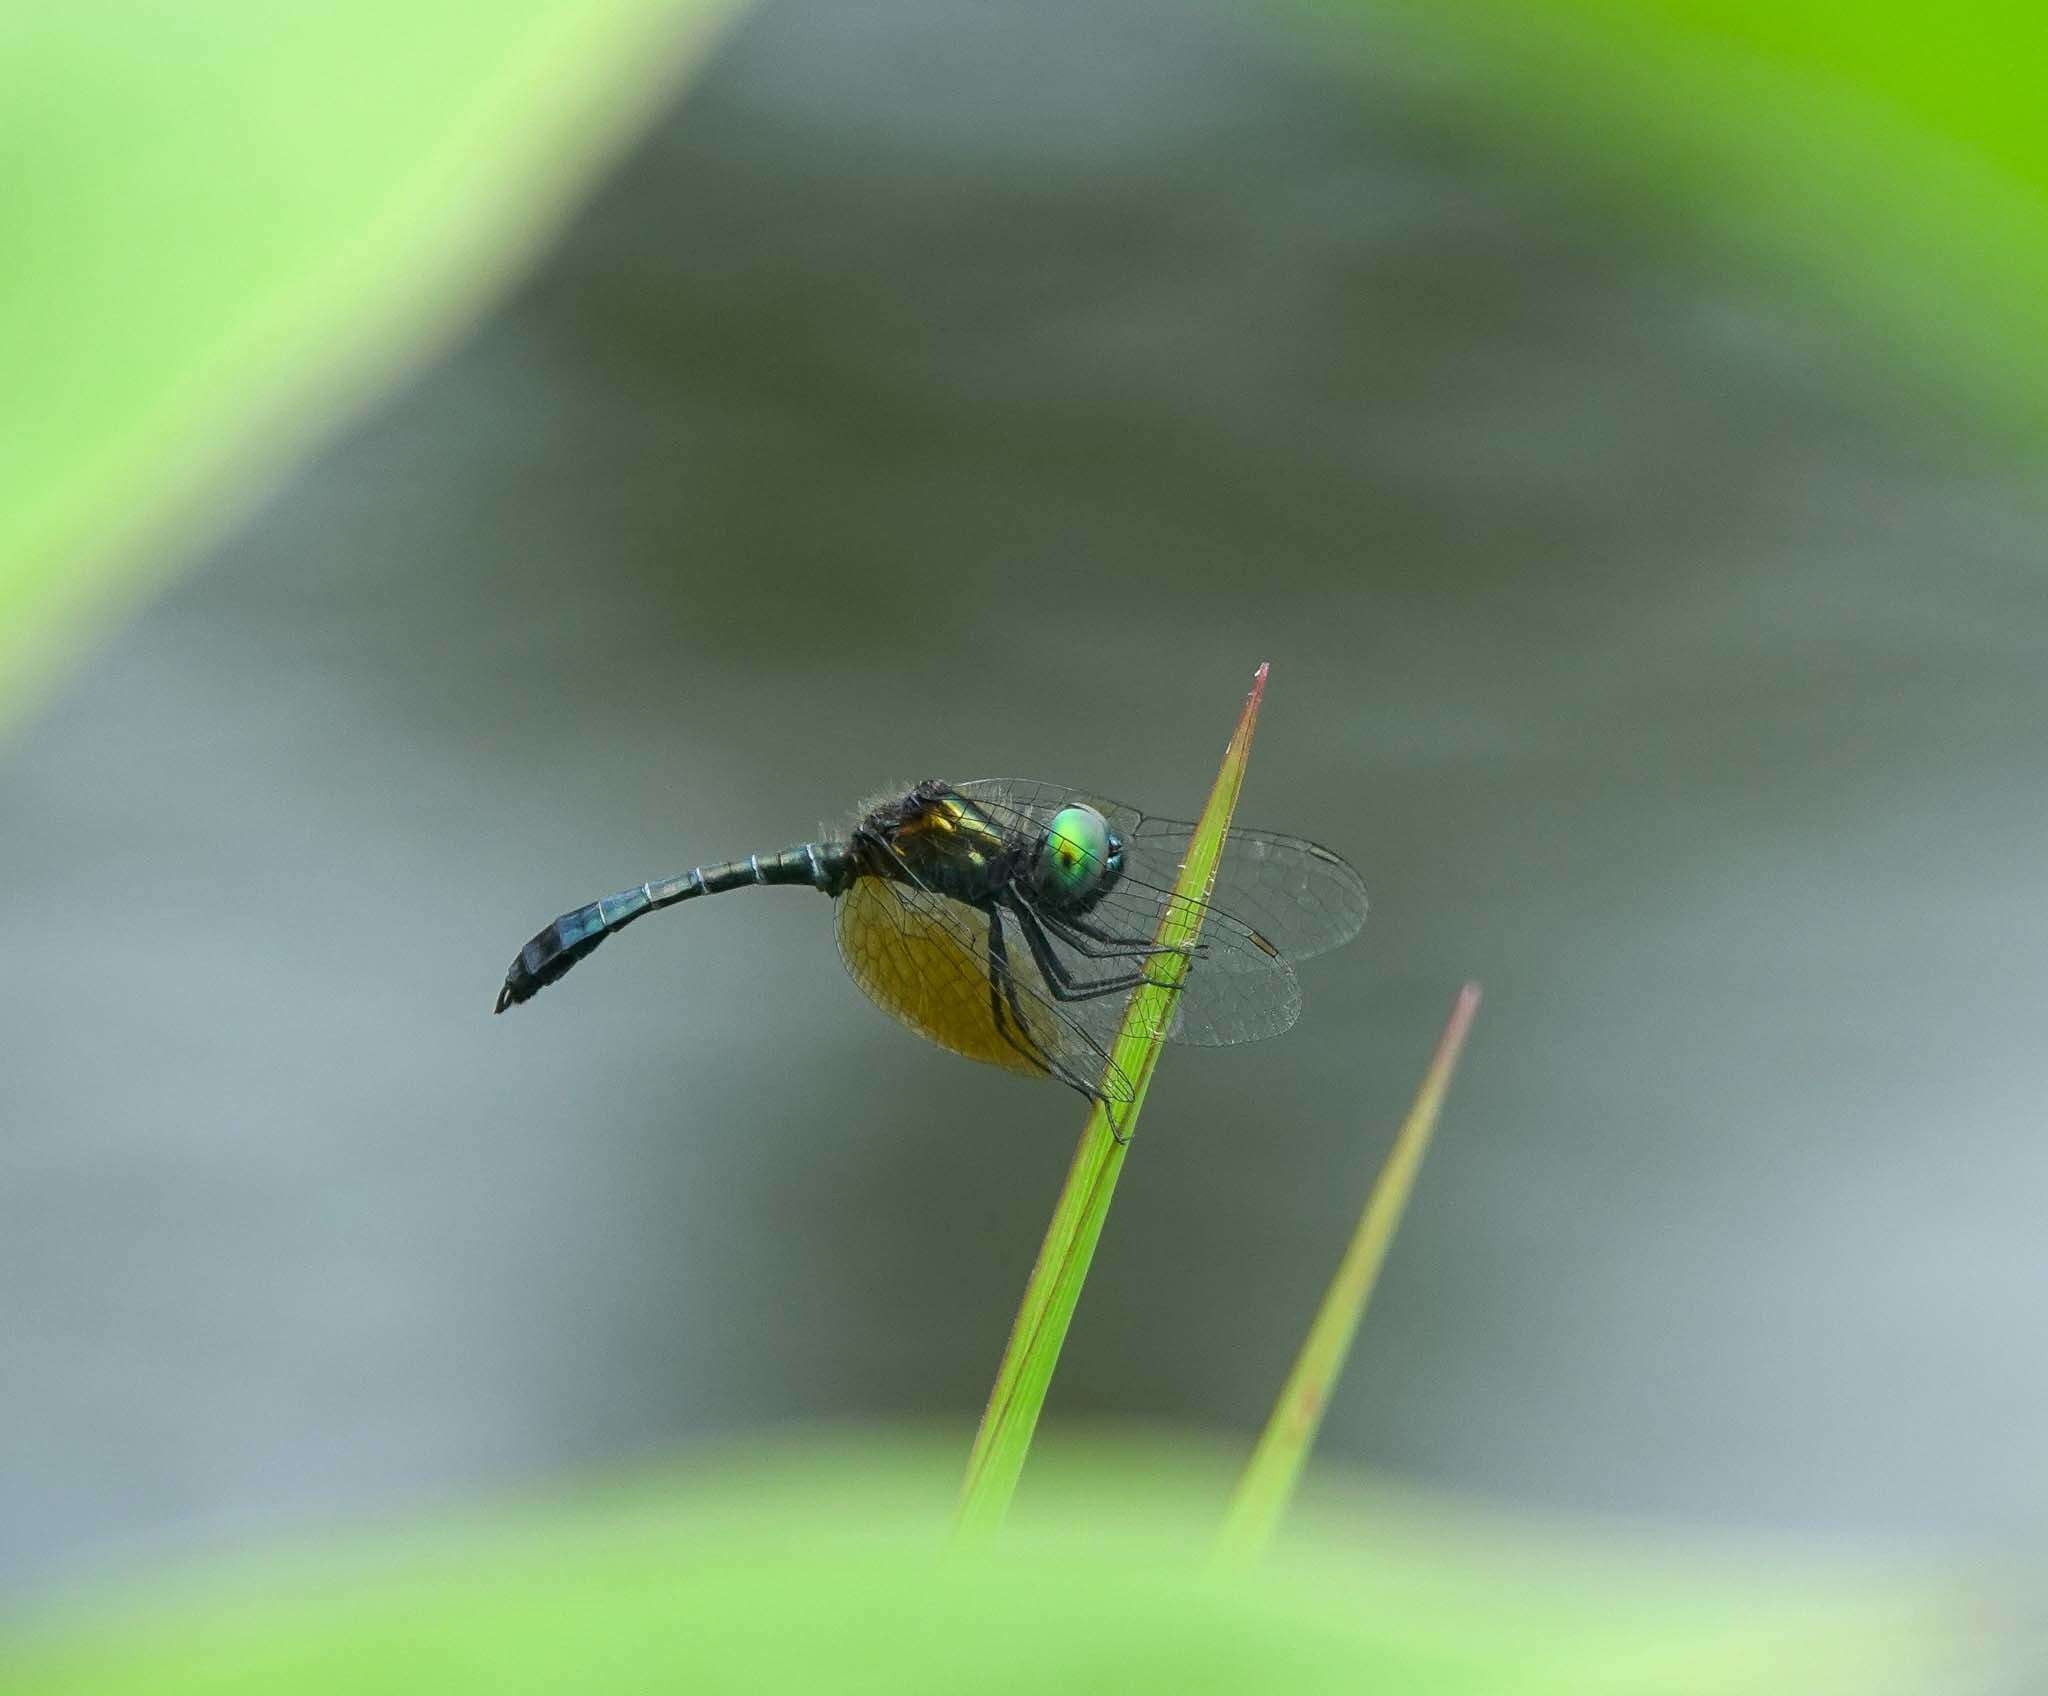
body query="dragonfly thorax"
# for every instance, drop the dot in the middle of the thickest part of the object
(940, 839)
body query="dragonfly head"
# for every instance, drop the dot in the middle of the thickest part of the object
(1078, 859)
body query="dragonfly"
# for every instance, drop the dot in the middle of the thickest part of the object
(1011, 920)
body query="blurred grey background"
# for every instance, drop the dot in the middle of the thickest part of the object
(965, 390)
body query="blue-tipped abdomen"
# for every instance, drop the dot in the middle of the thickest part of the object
(563, 943)
(573, 935)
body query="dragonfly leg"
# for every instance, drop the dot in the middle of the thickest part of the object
(1059, 929)
(1058, 979)
(1080, 936)
(1001, 977)
(1001, 991)
(1083, 932)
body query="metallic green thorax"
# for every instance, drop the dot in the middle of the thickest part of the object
(938, 839)
(947, 843)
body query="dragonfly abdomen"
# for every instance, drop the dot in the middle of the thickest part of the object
(824, 865)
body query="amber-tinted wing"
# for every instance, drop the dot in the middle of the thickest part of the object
(925, 959)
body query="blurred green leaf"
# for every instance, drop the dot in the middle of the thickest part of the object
(227, 221)
(1885, 159)
(828, 1568)
(1273, 1473)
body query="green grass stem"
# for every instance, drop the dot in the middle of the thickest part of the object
(1004, 1439)
(1274, 1471)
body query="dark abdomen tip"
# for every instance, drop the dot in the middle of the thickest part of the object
(550, 954)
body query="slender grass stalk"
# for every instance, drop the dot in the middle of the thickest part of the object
(1270, 1477)
(1054, 1289)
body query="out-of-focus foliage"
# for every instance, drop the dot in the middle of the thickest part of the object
(829, 1570)
(1887, 157)
(225, 220)
(1264, 1494)
(228, 220)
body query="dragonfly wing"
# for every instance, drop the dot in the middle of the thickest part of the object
(925, 960)
(1300, 896)
(1276, 899)
(1303, 898)
(1237, 989)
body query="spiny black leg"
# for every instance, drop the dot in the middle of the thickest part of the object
(999, 968)
(1124, 945)
(1000, 988)
(1077, 937)
(1055, 975)
(1001, 976)
(1087, 942)
(1057, 979)
(1058, 929)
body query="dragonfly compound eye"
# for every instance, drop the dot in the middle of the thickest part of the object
(1074, 855)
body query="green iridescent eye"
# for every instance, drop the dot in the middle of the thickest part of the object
(1075, 851)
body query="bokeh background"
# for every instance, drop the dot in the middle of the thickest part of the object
(971, 390)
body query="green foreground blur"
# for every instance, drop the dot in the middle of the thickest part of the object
(231, 235)
(827, 1566)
